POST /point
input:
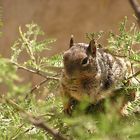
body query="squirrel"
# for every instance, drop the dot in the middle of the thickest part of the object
(90, 73)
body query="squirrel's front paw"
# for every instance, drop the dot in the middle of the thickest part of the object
(68, 111)
(70, 106)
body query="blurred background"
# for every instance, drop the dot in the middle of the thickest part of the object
(61, 18)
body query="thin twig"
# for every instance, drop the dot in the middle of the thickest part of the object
(134, 75)
(38, 72)
(29, 129)
(17, 132)
(36, 121)
(117, 55)
(29, 50)
(46, 114)
(135, 5)
(137, 79)
(36, 87)
(132, 68)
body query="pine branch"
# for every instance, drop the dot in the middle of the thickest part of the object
(133, 107)
(36, 121)
(38, 72)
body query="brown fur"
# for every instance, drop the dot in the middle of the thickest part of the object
(90, 73)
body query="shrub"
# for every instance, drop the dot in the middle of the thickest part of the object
(25, 117)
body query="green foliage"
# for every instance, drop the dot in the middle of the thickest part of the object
(8, 78)
(122, 44)
(93, 35)
(107, 126)
(28, 41)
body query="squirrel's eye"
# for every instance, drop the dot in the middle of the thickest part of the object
(85, 61)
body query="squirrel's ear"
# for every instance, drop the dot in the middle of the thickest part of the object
(71, 41)
(92, 47)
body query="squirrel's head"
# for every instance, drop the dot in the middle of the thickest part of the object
(80, 59)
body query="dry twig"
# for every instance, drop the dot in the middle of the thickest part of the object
(38, 72)
(134, 75)
(135, 5)
(36, 87)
